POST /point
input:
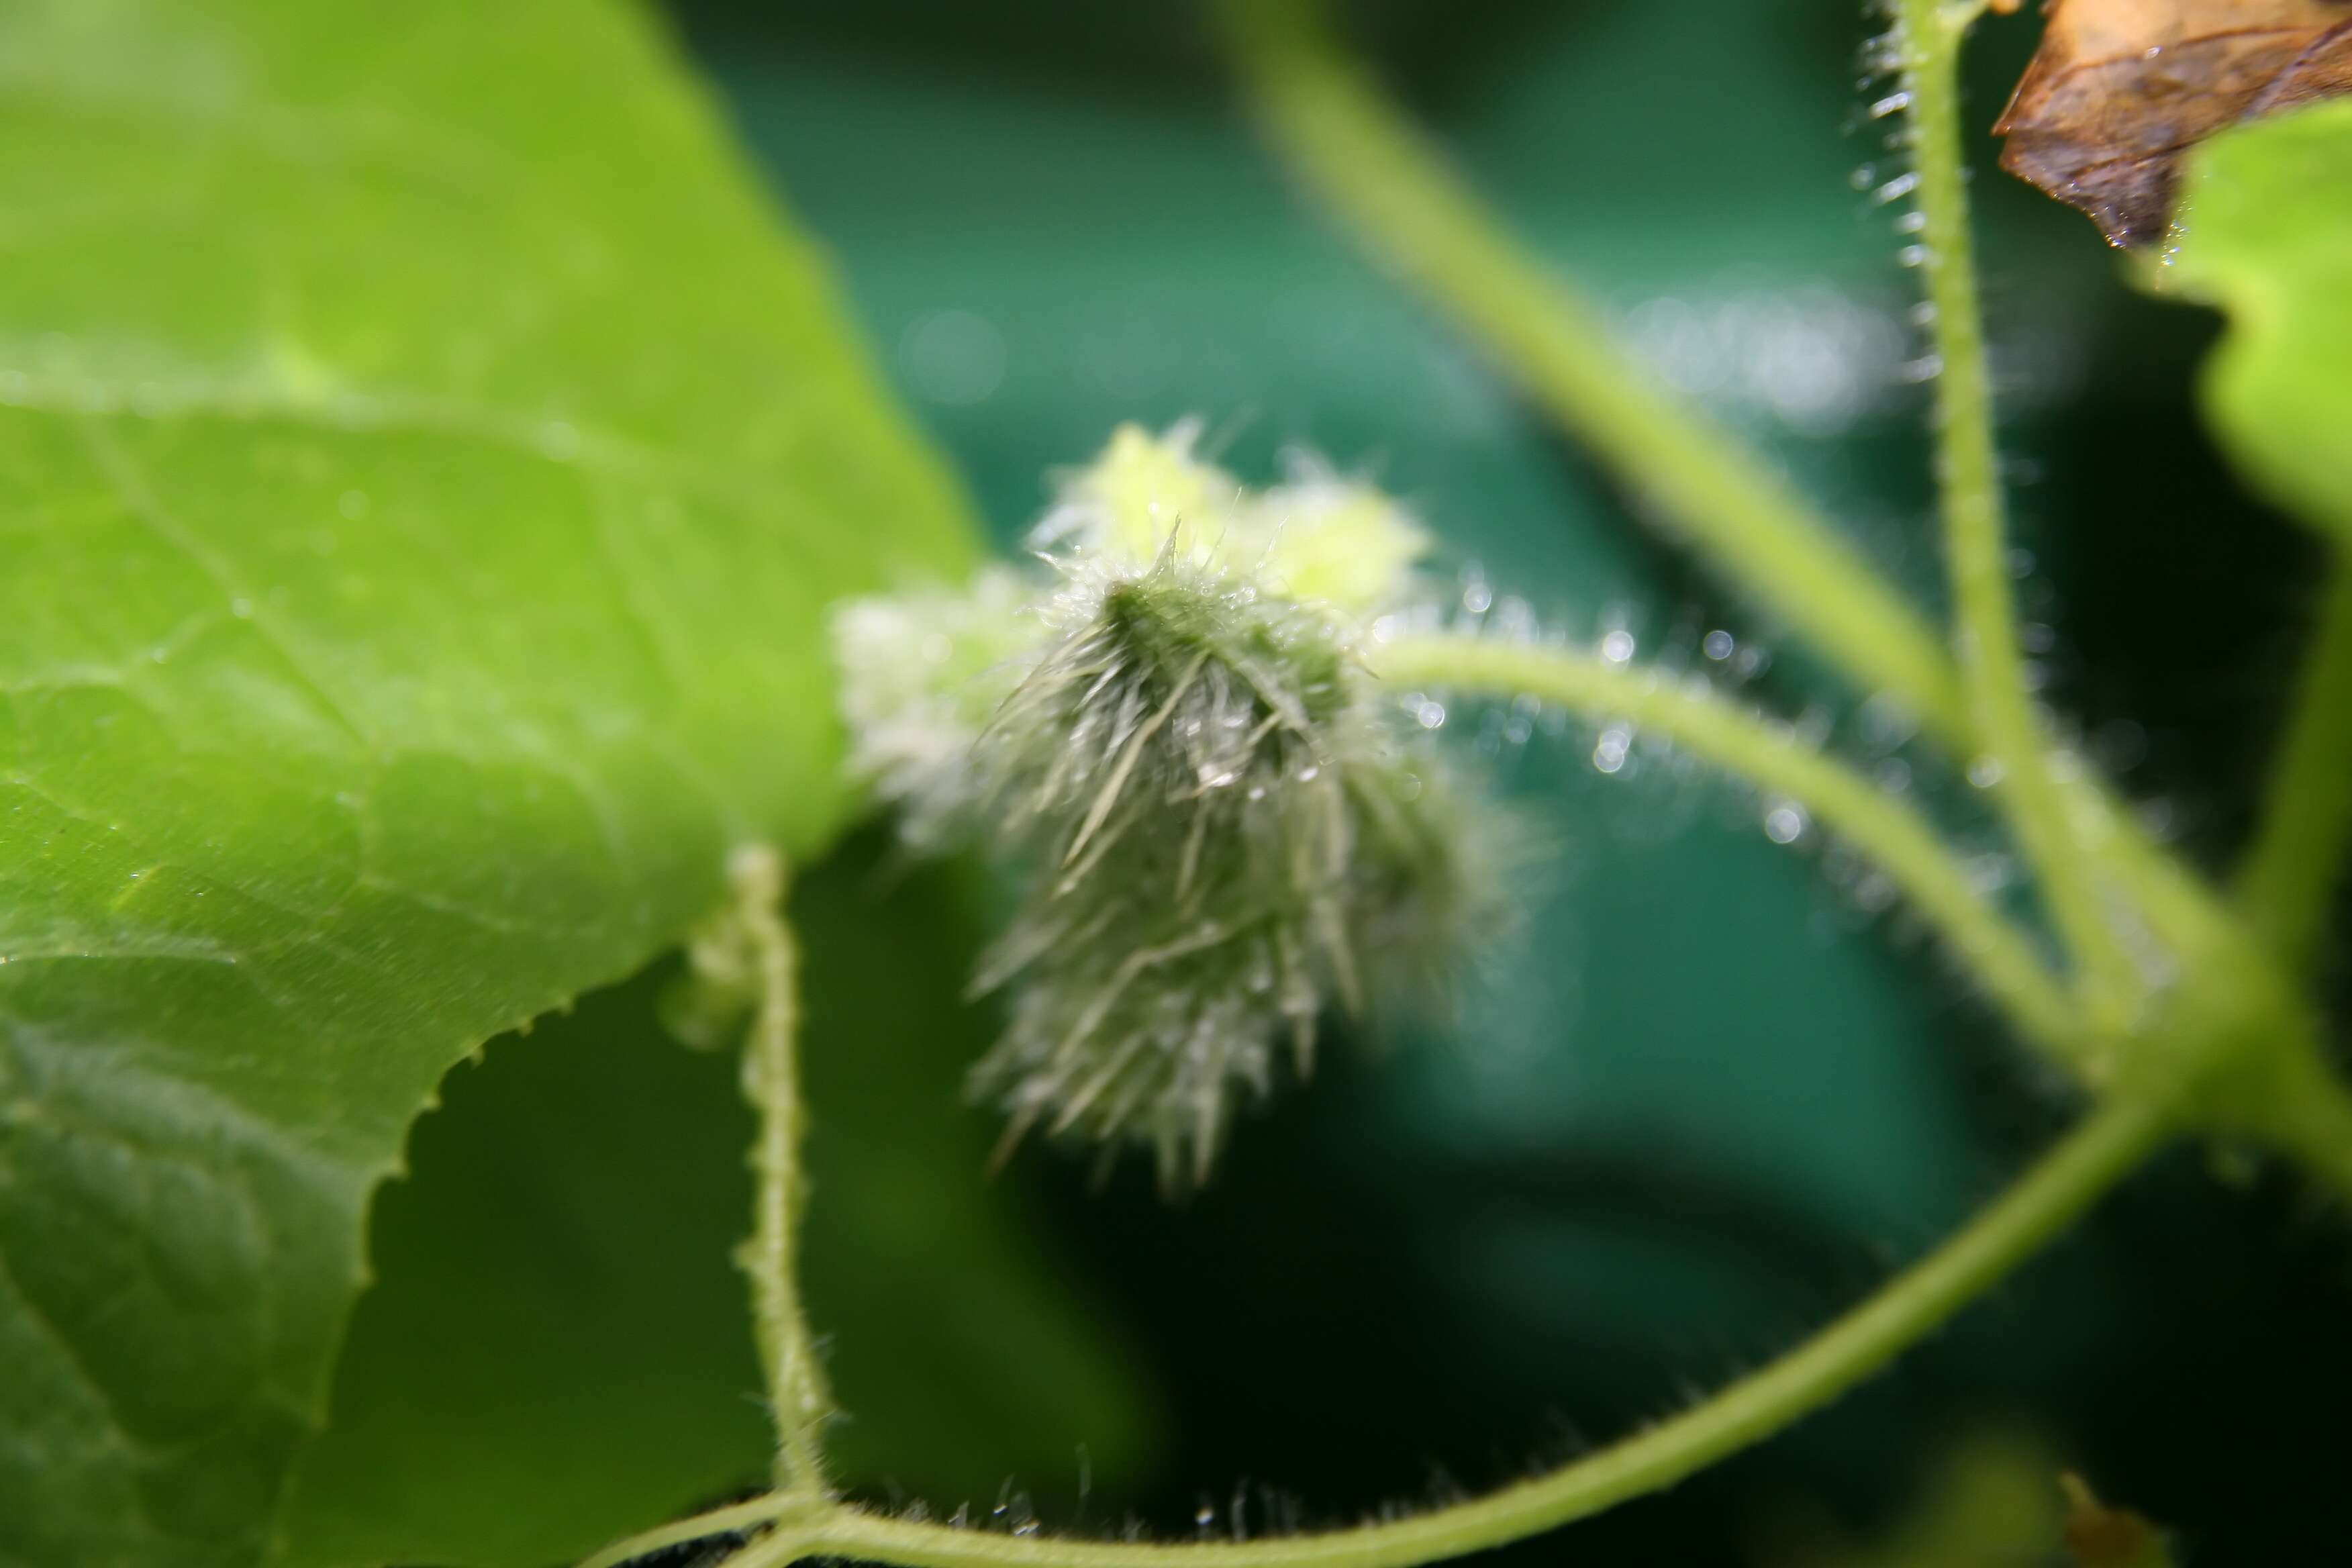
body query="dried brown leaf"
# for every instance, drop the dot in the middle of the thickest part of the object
(2121, 89)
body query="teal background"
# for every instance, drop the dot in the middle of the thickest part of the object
(1708, 1097)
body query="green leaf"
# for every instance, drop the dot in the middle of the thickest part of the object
(555, 1350)
(424, 466)
(2263, 230)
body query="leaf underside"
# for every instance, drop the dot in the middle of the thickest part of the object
(553, 1354)
(423, 466)
(2264, 229)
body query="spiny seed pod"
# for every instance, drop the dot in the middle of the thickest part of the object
(1226, 829)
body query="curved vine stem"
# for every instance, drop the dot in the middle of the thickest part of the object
(2104, 1149)
(2291, 875)
(1994, 953)
(1359, 155)
(1927, 35)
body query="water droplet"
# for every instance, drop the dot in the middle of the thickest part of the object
(2122, 744)
(1608, 751)
(1986, 772)
(1893, 103)
(1988, 873)
(1617, 648)
(1477, 597)
(1885, 723)
(954, 357)
(1784, 822)
(1431, 714)
(1719, 646)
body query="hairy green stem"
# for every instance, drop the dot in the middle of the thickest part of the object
(1359, 155)
(1354, 150)
(2107, 1147)
(1894, 836)
(1992, 664)
(796, 1390)
(750, 1514)
(2288, 883)
(788, 1543)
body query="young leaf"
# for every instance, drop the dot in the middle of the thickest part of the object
(2265, 224)
(425, 467)
(2121, 89)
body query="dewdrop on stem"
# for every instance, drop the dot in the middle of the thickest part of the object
(1228, 828)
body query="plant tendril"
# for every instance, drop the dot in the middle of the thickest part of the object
(758, 954)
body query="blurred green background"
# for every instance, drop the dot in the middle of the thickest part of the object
(1711, 1095)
